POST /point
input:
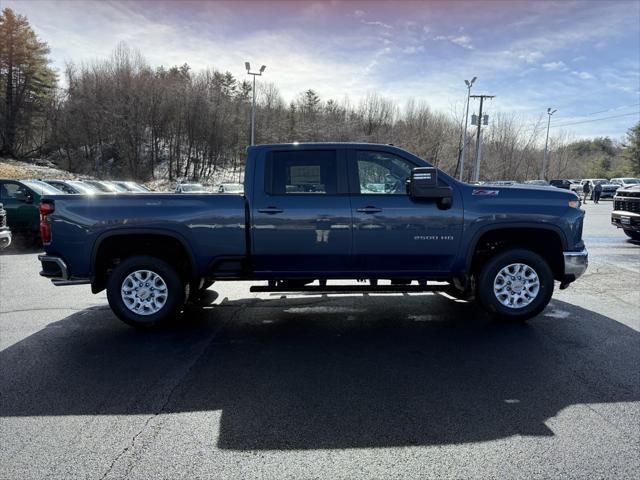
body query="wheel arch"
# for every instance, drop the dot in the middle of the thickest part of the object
(114, 239)
(513, 233)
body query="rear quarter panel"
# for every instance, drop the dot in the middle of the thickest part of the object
(208, 225)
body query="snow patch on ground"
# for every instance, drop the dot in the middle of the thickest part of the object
(324, 310)
(557, 314)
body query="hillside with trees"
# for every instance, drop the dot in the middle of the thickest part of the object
(121, 117)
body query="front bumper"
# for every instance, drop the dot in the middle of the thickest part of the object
(626, 220)
(5, 237)
(575, 264)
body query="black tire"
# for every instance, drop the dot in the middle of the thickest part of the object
(175, 291)
(632, 235)
(485, 286)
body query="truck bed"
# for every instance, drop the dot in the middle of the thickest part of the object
(204, 223)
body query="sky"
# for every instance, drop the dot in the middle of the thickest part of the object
(579, 57)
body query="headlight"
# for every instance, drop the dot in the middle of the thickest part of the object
(574, 203)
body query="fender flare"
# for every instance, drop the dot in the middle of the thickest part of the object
(506, 226)
(123, 231)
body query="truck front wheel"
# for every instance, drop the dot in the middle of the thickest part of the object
(633, 235)
(145, 291)
(516, 284)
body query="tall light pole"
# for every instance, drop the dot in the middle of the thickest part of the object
(481, 119)
(469, 84)
(545, 160)
(253, 101)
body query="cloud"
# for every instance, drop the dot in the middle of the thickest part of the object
(555, 66)
(530, 57)
(378, 23)
(583, 75)
(463, 41)
(411, 49)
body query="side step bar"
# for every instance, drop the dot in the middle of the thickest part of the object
(353, 288)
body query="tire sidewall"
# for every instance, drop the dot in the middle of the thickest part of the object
(633, 235)
(175, 291)
(487, 298)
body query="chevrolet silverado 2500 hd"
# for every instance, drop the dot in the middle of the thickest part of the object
(314, 213)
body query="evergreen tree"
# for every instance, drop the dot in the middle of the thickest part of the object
(632, 148)
(27, 84)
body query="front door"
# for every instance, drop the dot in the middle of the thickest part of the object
(301, 216)
(392, 232)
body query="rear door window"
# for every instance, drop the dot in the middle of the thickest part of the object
(303, 172)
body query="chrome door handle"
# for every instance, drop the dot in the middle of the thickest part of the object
(369, 209)
(270, 210)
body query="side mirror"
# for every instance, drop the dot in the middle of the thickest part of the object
(423, 185)
(25, 197)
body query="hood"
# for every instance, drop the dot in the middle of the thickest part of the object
(520, 190)
(630, 188)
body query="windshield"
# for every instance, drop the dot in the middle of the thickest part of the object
(134, 187)
(233, 187)
(42, 188)
(83, 187)
(114, 187)
(631, 181)
(99, 186)
(599, 180)
(192, 188)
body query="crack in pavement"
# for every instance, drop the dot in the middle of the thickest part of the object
(161, 410)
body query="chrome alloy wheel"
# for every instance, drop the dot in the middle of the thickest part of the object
(144, 292)
(516, 285)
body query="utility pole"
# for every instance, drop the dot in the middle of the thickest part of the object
(253, 101)
(466, 122)
(476, 175)
(545, 160)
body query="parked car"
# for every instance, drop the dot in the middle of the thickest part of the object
(503, 183)
(105, 186)
(625, 181)
(626, 211)
(608, 189)
(20, 199)
(132, 187)
(504, 246)
(5, 231)
(190, 188)
(576, 186)
(537, 182)
(562, 183)
(73, 187)
(230, 188)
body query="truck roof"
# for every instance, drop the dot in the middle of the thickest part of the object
(349, 145)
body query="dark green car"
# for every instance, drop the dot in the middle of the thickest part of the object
(20, 199)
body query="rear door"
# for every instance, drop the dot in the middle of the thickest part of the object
(392, 232)
(301, 214)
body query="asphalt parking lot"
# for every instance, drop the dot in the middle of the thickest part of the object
(378, 386)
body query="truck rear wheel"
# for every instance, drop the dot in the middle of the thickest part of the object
(515, 285)
(145, 291)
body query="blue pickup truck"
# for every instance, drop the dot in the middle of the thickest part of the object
(312, 214)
